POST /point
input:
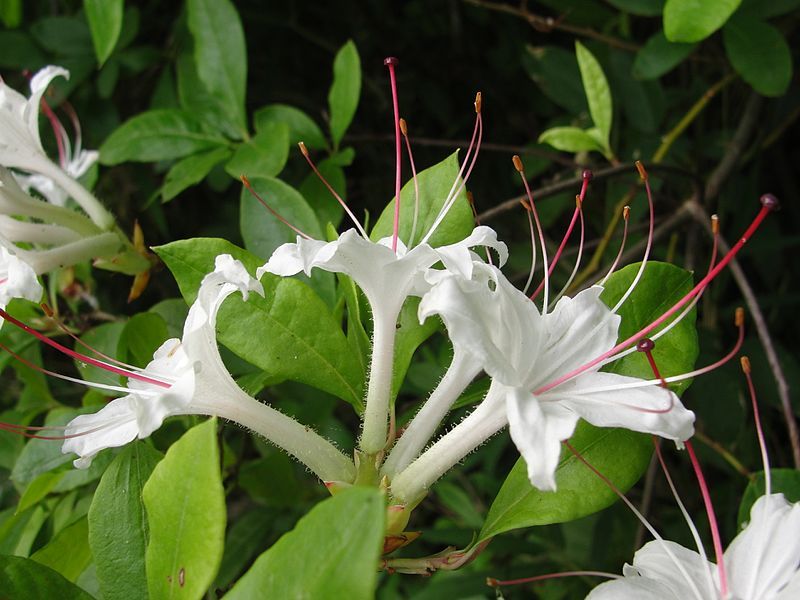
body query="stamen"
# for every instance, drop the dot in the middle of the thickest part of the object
(492, 582)
(579, 208)
(759, 431)
(246, 182)
(404, 131)
(333, 192)
(59, 133)
(76, 126)
(626, 213)
(532, 233)
(391, 62)
(768, 204)
(81, 357)
(521, 170)
(712, 520)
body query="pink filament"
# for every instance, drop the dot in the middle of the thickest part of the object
(273, 212)
(391, 62)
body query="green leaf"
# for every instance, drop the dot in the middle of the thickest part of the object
(142, 336)
(301, 127)
(409, 336)
(661, 286)
(290, 333)
(333, 552)
(38, 489)
(18, 51)
(191, 170)
(68, 552)
(659, 56)
(117, 523)
(434, 185)
(760, 54)
(555, 71)
(106, 338)
(619, 454)
(11, 13)
(767, 10)
(263, 155)
(345, 90)
(571, 139)
(25, 578)
(40, 456)
(784, 481)
(261, 230)
(694, 20)
(18, 532)
(642, 8)
(185, 505)
(244, 540)
(155, 135)
(319, 198)
(598, 94)
(220, 53)
(105, 23)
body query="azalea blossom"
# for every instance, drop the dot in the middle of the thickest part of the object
(17, 280)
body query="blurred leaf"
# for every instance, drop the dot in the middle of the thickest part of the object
(38, 489)
(161, 134)
(409, 336)
(767, 10)
(455, 499)
(186, 516)
(106, 339)
(659, 56)
(619, 454)
(68, 552)
(571, 139)
(118, 528)
(105, 23)
(24, 578)
(341, 537)
(191, 170)
(784, 481)
(64, 36)
(345, 90)
(306, 343)
(220, 53)
(17, 51)
(598, 94)
(301, 127)
(263, 155)
(18, 532)
(326, 207)
(244, 540)
(694, 20)
(556, 73)
(261, 230)
(642, 8)
(11, 13)
(760, 54)
(142, 336)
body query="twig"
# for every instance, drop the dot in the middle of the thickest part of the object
(724, 453)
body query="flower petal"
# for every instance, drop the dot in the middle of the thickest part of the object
(113, 426)
(17, 279)
(633, 588)
(39, 83)
(679, 569)
(458, 258)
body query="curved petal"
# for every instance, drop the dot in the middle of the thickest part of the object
(293, 257)
(633, 588)
(647, 409)
(537, 430)
(17, 279)
(681, 570)
(113, 426)
(457, 257)
(765, 557)
(39, 83)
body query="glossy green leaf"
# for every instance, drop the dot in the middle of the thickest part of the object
(760, 54)
(345, 90)
(598, 94)
(118, 527)
(301, 127)
(158, 135)
(661, 285)
(619, 454)
(332, 553)
(105, 23)
(784, 481)
(38, 489)
(25, 578)
(68, 552)
(290, 333)
(263, 155)
(571, 139)
(694, 20)
(185, 504)
(261, 230)
(191, 170)
(642, 8)
(659, 56)
(434, 184)
(220, 53)
(194, 97)
(141, 337)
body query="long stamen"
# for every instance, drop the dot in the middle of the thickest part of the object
(587, 177)
(391, 62)
(404, 131)
(76, 126)
(626, 213)
(579, 208)
(78, 356)
(745, 361)
(768, 204)
(58, 131)
(521, 170)
(492, 582)
(532, 233)
(246, 182)
(712, 520)
(333, 192)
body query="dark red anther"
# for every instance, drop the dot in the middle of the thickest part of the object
(771, 202)
(645, 345)
(391, 61)
(587, 174)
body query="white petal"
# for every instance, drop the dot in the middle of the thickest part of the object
(458, 258)
(633, 588)
(765, 556)
(112, 426)
(17, 279)
(682, 571)
(537, 430)
(646, 409)
(39, 83)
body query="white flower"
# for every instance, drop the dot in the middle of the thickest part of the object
(762, 563)
(74, 165)
(523, 351)
(17, 279)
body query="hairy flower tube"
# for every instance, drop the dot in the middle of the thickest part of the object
(59, 235)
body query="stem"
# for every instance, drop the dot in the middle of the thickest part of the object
(481, 424)
(96, 211)
(376, 411)
(422, 427)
